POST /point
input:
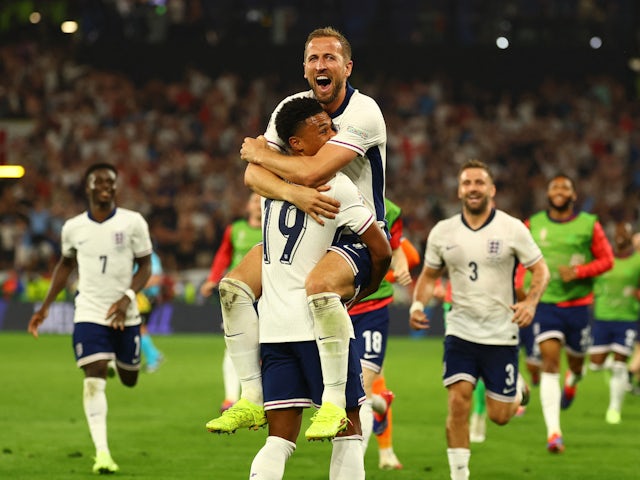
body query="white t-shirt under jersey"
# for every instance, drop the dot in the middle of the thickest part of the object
(482, 265)
(293, 243)
(105, 254)
(361, 128)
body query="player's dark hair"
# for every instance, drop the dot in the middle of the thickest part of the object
(98, 166)
(474, 163)
(293, 115)
(565, 176)
(330, 32)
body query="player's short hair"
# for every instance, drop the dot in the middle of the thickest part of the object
(475, 163)
(98, 166)
(293, 114)
(330, 32)
(565, 176)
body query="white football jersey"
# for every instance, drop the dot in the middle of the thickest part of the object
(105, 255)
(361, 128)
(482, 265)
(293, 243)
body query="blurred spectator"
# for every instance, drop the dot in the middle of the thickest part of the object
(176, 144)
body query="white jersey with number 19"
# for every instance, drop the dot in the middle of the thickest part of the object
(482, 265)
(105, 255)
(293, 243)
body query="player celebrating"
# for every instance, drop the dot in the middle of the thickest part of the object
(359, 151)
(293, 244)
(577, 250)
(480, 249)
(103, 243)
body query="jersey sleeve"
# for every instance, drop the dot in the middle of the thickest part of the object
(66, 239)
(433, 251)
(525, 246)
(141, 240)
(602, 253)
(361, 128)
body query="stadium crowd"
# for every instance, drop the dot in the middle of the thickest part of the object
(176, 145)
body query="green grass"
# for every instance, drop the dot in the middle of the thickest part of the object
(156, 430)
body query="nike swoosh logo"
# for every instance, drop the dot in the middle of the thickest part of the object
(368, 356)
(506, 391)
(449, 247)
(324, 338)
(234, 335)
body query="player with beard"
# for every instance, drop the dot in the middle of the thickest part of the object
(480, 249)
(102, 243)
(359, 151)
(576, 250)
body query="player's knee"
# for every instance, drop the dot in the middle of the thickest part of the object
(501, 417)
(233, 290)
(129, 379)
(316, 284)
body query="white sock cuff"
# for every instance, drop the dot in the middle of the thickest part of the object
(619, 366)
(280, 442)
(349, 437)
(323, 300)
(459, 451)
(95, 383)
(237, 287)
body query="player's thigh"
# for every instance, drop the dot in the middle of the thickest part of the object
(127, 346)
(499, 371)
(332, 274)
(577, 330)
(249, 270)
(93, 347)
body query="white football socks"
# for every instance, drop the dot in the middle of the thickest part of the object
(94, 400)
(332, 327)
(347, 461)
(366, 423)
(230, 378)
(270, 461)
(241, 335)
(617, 385)
(459, 463)
(550, 394)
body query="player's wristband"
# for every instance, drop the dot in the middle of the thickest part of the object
(131, 294)
(416, 307)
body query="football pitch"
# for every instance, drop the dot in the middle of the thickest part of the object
(156, 430)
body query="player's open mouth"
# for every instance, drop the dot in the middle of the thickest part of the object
(323, 81)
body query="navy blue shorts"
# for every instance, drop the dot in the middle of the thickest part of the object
(570, 325)
(527, 341)
(497, 365)
(357, 255)
(93, 342)
(371, 330)
(292, 376)
(613, 336)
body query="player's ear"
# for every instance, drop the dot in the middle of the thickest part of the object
(296, 144)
